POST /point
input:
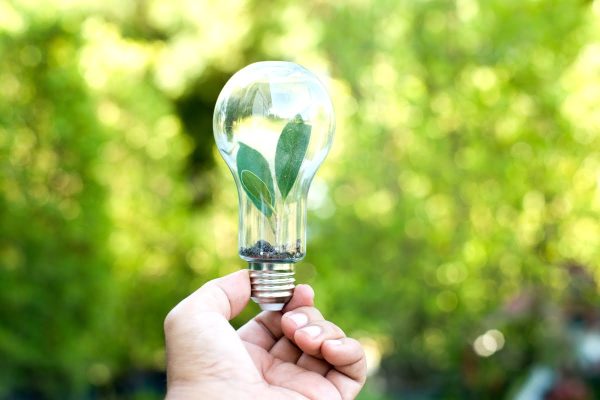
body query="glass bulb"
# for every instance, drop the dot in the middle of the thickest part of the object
(274, 125)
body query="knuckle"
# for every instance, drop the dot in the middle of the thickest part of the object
(169, 320)
(333, 329)
(172, 318)
(355, 343)
(312, 313)
(362, 376)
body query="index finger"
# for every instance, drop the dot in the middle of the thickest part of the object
(304, 295)
(264, 330)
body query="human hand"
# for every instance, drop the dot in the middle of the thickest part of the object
(293, 354)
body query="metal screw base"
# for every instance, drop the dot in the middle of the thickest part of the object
(272, 285)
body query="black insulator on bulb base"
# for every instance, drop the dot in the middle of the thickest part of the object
(272, 284)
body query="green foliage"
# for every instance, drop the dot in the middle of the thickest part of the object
(55, 270)
(291, 149)
(258, 183)
(258, 192)
(464, 172)
(255, 174)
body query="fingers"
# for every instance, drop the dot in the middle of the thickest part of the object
(198, 334)
(350, 367)
(306, 327)
(264, 330)
(226, 296)
(347, 356)
(310, 338)
(304, 296)
(314, 364)
(306, 339)
(286, 351)
(298, 318)
(327, 350)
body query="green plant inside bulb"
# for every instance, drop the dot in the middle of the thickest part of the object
(255, 174)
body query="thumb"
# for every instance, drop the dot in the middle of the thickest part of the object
(200, 341)
(226, 296)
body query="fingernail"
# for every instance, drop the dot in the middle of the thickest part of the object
(313, 331)
(299, 319)
(335, 342)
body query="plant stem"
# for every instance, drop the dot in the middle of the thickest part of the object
(273, 227)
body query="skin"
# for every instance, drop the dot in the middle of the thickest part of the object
(293, 354)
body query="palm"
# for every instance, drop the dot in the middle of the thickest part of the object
(285, 376)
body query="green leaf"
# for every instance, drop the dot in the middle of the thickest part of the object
(258, 192)
(252, 161)
(291, 149)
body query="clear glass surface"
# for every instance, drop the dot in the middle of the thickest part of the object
(274, 125)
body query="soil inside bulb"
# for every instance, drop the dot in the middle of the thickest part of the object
(263, 250)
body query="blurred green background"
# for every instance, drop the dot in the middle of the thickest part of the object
(453, 228)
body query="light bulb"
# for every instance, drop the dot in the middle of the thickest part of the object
(274, 125)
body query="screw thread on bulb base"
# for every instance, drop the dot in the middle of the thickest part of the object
(272, 284)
